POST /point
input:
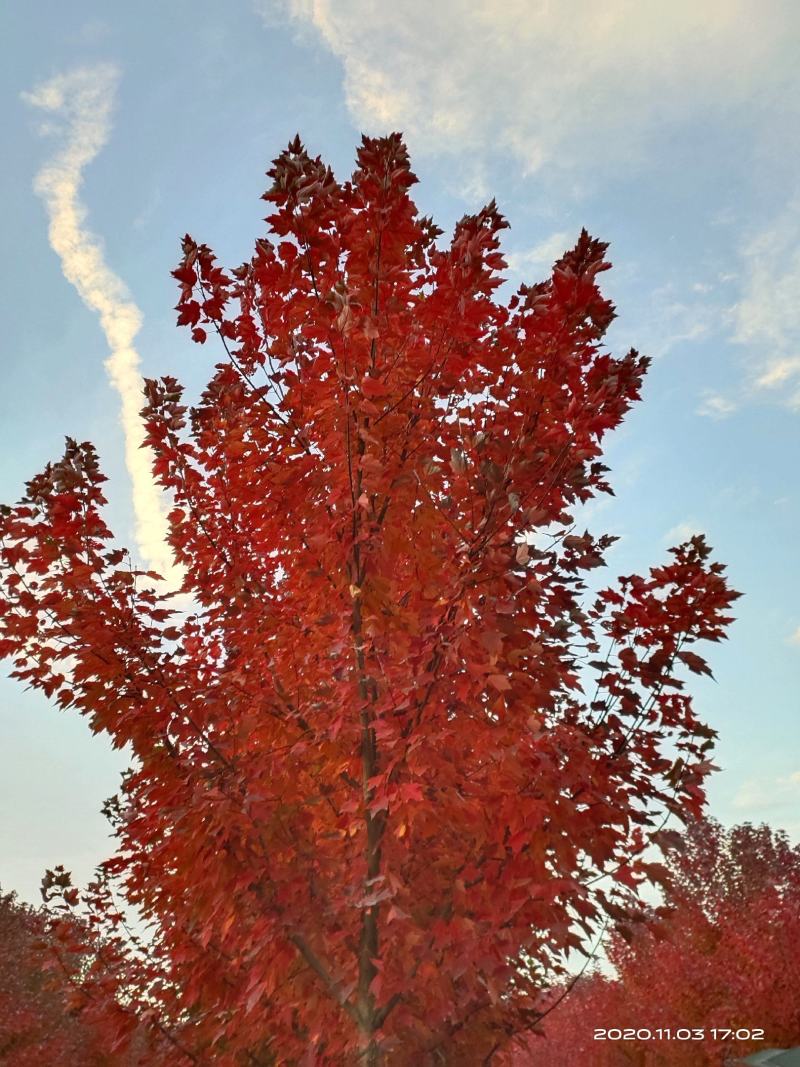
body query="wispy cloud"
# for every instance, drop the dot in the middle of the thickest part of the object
(81, 102)
(715, 406)
(682, 532)
(672, 316)
(542, 255)
(580, 90)
(794, 639)
(767, 315)
(574, 82)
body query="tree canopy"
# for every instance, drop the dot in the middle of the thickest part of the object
(400, 757)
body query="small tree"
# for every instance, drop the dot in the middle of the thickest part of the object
(374, 802)
(722, 961)
(38, 1023)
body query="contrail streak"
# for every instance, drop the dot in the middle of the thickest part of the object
(83, 100)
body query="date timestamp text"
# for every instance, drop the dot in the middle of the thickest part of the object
(680, 1034)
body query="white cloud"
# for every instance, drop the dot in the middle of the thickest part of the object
(795, 638)
(672, 315)
(767, 315)
(779, 371)
(685, 322)
(682, 532)
(542, 255)
(570, 82)
(714, 406)
(81, 102)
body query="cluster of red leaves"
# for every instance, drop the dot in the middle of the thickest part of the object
(372, 808)
(116, 979)
(40, 1021)
(726, 957)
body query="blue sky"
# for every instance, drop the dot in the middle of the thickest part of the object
(670, 130)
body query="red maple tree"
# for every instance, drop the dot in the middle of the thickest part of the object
(720, 962)
(397, 760)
